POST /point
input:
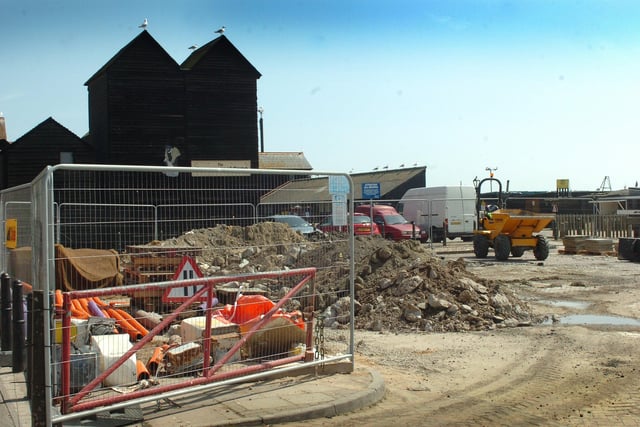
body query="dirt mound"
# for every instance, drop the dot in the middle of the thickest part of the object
(399, 286)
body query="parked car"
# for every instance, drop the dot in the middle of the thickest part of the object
(362, 226)
(298, 224)
(393, 225)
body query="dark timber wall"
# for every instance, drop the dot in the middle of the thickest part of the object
(42, 146)
(137, 105)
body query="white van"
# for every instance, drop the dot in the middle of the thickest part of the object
(447, 209)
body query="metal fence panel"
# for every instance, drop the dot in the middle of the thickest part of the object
(605, 226)
(144, 259)
(15, 204)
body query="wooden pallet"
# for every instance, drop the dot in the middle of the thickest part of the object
(152, 264)
(587, 252)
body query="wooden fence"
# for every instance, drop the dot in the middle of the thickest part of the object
(609, 226)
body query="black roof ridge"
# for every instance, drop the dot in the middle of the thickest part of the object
(113, 59)
(195, 57)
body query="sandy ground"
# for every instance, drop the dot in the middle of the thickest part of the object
(579, 368)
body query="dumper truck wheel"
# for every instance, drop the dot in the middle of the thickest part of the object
(517, 251)
(480, 246)
(502, 247)
(541, 251)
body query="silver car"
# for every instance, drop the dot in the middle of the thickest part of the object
(298, 224)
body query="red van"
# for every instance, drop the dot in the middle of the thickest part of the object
(392, 225)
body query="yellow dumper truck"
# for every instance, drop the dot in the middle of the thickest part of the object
(508, 231)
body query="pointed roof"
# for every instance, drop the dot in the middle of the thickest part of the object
(49, 123)
(216, 45)
(143, 37)
(316, 189)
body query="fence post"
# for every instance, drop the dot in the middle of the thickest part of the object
(29, 342)
(5, 322)
(18, 327)
(39, 358)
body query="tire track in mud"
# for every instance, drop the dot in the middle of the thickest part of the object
(554, 391)
(511, 397)
(563, 375)
(569, 376)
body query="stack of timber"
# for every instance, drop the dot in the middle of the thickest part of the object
(573, 243)
(154, 263)
(599, 246)
(587, 245)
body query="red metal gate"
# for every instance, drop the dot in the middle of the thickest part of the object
(92, 395)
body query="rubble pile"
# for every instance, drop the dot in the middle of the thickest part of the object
(399, 286)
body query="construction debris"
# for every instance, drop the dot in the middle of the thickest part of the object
(399, 285)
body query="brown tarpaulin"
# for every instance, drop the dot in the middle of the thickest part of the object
(79, 269)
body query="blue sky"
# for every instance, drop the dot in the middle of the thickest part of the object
(542, 90)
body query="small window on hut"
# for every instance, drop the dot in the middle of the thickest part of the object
(66, 157)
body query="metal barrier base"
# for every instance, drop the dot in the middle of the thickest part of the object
(6, 358)
(115, 418)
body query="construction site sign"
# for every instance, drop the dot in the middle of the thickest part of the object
(187, 270)
(11, 233)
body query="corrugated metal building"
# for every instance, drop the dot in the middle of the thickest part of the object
(393, 185)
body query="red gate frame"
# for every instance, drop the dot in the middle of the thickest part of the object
(210, 374)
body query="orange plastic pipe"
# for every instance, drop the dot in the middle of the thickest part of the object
(75, 305)
(141, 371)
(100, 303)
(59, 299)
(122, 322)
(79, 314)
(84, 303)
(132, 321)
(155, 360)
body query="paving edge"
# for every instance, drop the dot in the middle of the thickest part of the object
(372, 394)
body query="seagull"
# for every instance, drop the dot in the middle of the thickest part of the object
(386, 167)
(220, 30)
(144, 24)
(193, 47)
(402, 165)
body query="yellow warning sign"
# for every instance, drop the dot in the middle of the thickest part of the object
(11, 233)
(562, 184)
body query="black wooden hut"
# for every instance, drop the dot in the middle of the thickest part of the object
(200, 113)
(136, 105)
(48, 143)
(221, 104)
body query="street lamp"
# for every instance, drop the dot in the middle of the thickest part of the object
(261, 110)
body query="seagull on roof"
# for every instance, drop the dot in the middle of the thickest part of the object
(220, 30)
(193, 47)
(144, 24)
